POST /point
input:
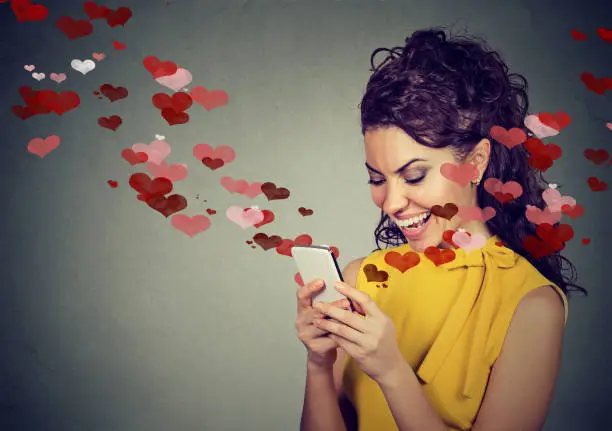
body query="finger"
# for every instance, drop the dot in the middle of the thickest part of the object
(359, 298)
(305, 293)
(338, 328)
(342, 303)
(344, 316)
(312, 332)
(350, 348)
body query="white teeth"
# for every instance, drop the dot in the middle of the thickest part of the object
(413, 220)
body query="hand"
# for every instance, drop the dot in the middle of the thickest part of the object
(369, 340)
(322, 350)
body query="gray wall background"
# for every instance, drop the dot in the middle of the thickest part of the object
(110, 319)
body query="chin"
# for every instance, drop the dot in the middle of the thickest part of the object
(431, 236)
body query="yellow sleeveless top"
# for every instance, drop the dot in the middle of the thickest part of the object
(451, 321)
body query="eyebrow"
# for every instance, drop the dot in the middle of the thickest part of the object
(398, 171)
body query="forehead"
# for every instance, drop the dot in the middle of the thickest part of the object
(389, 148)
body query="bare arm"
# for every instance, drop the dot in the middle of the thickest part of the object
(325, 406)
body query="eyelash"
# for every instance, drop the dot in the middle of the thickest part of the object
(415, 181)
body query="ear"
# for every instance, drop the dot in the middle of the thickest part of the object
(479, 156)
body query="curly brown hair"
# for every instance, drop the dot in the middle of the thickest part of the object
(449, 91)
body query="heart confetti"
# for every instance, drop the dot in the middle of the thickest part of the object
(41, 147)
(83, 66)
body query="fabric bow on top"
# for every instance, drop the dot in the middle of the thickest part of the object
(478, 263)
(500, 256)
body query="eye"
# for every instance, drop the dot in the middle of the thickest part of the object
(407, 180)
(415, 180)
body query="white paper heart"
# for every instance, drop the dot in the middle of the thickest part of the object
(83, 66)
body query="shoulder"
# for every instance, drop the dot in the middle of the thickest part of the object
(351, 270)
(542, 304)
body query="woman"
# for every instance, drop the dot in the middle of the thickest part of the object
(454, 338)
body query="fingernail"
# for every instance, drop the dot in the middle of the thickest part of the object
(338, 285)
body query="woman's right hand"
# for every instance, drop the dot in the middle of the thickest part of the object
(322, 350)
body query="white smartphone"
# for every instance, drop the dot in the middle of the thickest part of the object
(318, 261)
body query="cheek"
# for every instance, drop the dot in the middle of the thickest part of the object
(378, 195)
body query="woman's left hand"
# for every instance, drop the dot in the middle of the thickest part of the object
(369, 340)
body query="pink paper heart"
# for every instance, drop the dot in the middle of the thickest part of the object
(38, 76)
(42, 147)
(469, 213)
(58, 77)
(228, 184)
(157, 151)
(494, 185)
(253, 190)
(241, 186)
(537, 216)
(609, 126)
(176, 172)
(223, 152)
(178, 80)
(555, 201)
(243, 218)
(190, 225)
(29, 67)
(488, 213)
(467, 242)
(475, 213)
(460, 174)
(209, 99)
(98, 56)
(298, 279)
(539, 129)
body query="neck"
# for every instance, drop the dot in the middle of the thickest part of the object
(473, 227)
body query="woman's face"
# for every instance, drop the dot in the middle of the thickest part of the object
(406, 181)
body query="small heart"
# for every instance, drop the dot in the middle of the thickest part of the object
(510, 138)
(596, 156)
(191, 226)
(38, 76)
(83, 66)
(439, 256)
(41, 147)
(540, 130)
(373, 274)
(578, 35)
(58, 77)
(98, 56)
(585, 241)
(597, 185)
(609, 125)
(461, 174)
(305, 212)
(448, 211)
(212, 163)
(29, 67)
(118, 45)
(573, 211)
(402, 262)
(605, 34)
(272, 192)
(469, 242)
(213, 212)
(113, 184)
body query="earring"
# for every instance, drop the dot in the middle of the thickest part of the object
(475, 182)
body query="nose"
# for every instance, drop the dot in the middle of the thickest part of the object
(395, 199)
